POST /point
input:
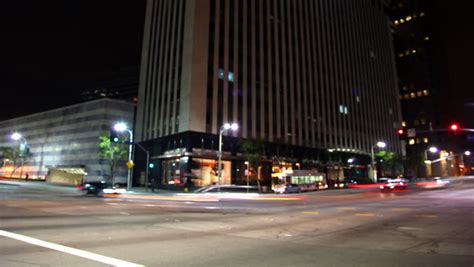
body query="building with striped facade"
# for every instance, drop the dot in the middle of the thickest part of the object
(313, 74)
(64, 142)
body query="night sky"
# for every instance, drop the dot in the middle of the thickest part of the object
(49, 50)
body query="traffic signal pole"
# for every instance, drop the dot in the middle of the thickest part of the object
(147, 164)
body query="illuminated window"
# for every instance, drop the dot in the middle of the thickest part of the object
(412, 95)
(418, 140)
(427, 38)
(230, 76)
(402, 20)
(425, 92)
(419, 93)
(408, 18)
(422, 14)
(396, 22)
(220, 74)
(425, 140)
(404, 124)
(406, 96)
(413, 51)
(343, 109)
(400, 55)
(407, 52)
(411, 142)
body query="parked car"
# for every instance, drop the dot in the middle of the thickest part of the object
(228, 189)
(390, 184)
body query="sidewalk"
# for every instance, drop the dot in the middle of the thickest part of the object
(41, 185)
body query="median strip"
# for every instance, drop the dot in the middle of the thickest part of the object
(401, 209)
(345, 208)
(311, 212)
(427, 216)
(364, 214)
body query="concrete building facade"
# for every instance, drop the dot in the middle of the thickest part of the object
(64, 142)
(311, 74)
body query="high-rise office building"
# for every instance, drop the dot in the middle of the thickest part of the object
(318, 75)
(432, 51)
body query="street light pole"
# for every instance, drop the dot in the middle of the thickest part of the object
(121, 127)
(18, 137)
(219, 166)
(427, 161)
(147, 164)
(223, 128)
(129, 173)
(374, 170)
(23, 147)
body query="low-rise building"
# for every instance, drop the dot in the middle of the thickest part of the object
(64, 143)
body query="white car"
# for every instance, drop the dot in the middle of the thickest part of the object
(431, 183)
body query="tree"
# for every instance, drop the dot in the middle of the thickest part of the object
(16, 156)
(114, 152)
(391, 163)
(254, 150)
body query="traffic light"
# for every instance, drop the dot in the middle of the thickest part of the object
(114, 137)
(401, 133)
(454, 127)
(151, 165)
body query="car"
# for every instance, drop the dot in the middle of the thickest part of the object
(431, 183)
(391, 184)
(346, 183)
(287, 188)
(339, 184)
(99, 188)
(228, 189)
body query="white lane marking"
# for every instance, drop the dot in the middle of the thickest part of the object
(72, 251)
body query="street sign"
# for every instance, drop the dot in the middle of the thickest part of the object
(411, 132)
(130, 164)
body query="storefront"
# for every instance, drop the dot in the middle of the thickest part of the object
(190, 159)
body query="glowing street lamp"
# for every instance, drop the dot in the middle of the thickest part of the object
(23, 143)
(427, 161)
(432, 150)
(225, 127)
(18, 137)
(122, 127)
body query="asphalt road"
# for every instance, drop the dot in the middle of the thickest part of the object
(47, 227)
